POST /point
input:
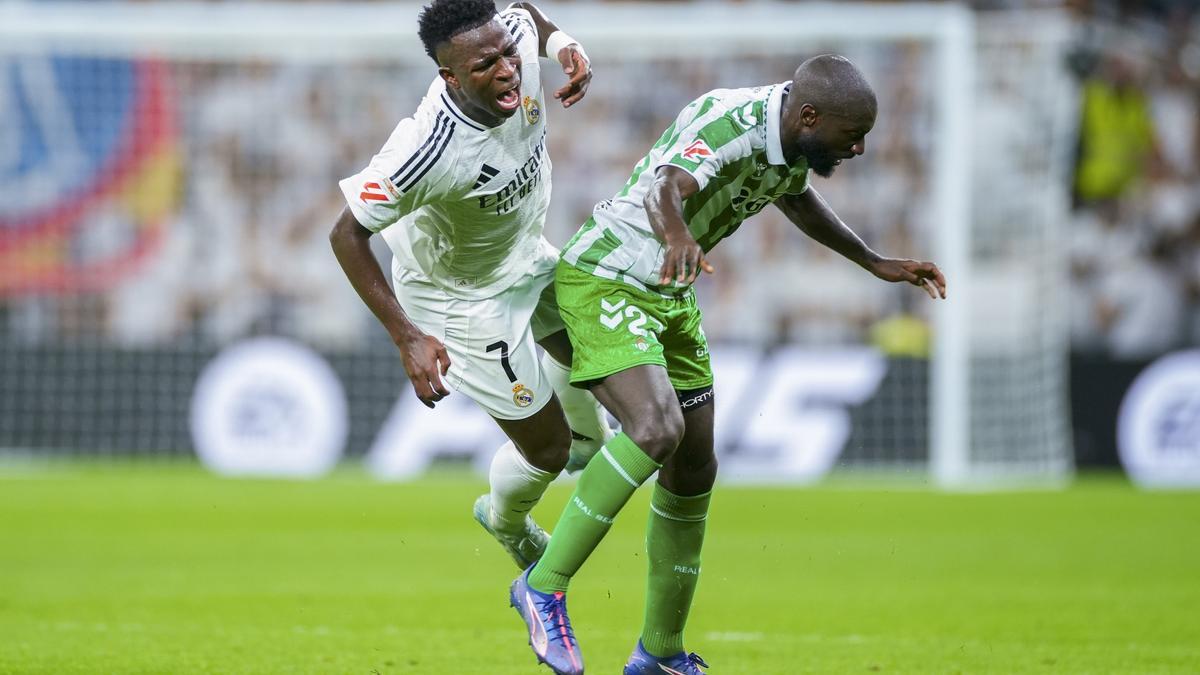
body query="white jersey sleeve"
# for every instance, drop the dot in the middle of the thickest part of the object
(410, 171)
(520, 23)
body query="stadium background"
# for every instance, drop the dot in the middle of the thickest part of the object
(166, 198)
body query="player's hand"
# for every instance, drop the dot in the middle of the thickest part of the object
(426, 362)
(923, 274)
(579, 69)
(683, 261)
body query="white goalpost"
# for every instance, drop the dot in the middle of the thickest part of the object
(268, 101)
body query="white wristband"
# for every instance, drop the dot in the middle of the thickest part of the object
(557, 41)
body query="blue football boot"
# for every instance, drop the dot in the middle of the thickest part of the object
(550, 633)
(642, 662)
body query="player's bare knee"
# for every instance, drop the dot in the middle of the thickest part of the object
(705, 474)
(556, 462)
(556, 448)
(687, 476)
(548, 455)
(658, 434)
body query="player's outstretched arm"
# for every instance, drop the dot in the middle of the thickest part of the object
(664, 209)
(809, 212)
(424, 357)
(553, 42)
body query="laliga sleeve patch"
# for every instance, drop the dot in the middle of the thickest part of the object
(697, 151)
(373, 192)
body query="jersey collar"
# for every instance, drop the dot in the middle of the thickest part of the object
(443, 97)
(774, 121)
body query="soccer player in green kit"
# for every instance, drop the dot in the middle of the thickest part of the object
(624, 286)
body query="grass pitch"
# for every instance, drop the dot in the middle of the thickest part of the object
(170, 570)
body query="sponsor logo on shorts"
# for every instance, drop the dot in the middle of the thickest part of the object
(610, 313)
(522, 395)
(641, 344)
(697, 400)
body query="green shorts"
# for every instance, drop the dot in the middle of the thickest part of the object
(615, 326)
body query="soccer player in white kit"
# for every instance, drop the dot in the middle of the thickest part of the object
(460, 192)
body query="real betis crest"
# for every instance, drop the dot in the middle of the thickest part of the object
(533, 112)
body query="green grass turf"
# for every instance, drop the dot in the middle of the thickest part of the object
(170, 570)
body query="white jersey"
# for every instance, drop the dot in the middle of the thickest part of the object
(460, 204)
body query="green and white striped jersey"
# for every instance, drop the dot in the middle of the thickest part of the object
(728, 139)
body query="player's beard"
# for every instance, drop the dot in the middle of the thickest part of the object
(819, 159)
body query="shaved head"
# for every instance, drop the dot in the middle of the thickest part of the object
(834, 86)
(827, 113)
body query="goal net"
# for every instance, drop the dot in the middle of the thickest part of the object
(168, 182)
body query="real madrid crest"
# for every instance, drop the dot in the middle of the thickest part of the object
(522, 395)
(533, 112)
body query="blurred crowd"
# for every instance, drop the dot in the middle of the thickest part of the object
(263, 145)
(1135, 227)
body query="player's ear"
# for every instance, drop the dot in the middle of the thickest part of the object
(445, 54)
(808, 115)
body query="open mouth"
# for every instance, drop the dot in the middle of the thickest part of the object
(509, 100)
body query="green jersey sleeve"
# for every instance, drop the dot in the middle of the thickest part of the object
(708, 143)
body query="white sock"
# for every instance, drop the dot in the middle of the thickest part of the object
(584, 413)
(516, 486)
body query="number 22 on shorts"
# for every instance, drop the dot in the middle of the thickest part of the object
(614, 313)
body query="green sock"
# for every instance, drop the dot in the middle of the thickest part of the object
(674, 538)
(609, 480)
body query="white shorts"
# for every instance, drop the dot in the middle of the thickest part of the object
(491, 342)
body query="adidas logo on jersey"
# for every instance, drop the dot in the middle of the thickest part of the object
(485, 174)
